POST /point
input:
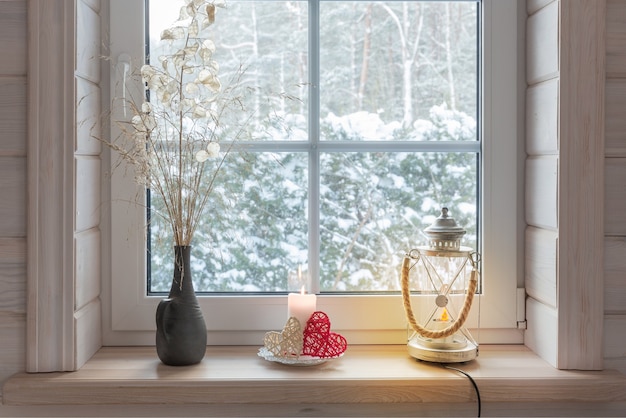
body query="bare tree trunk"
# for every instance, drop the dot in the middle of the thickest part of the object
(255, 52)
(448, 30)
(367, 42)
(409, 49)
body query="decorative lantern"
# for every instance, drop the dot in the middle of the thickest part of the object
(444, 271)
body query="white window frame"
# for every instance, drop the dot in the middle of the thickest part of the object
(376, 319)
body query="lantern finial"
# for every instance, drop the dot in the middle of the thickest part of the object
(444, 233)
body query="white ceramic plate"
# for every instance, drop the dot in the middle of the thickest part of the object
(294, 361)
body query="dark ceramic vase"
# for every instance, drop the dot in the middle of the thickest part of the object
(181, 331)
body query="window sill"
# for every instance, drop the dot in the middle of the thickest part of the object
(368, 380)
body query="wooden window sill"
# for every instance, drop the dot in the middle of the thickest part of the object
(367, 380)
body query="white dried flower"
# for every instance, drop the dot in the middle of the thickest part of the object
(199, 112)
(138, 124)
(209, 80)
(213, 149)
(202, 156)
(172, 34)
(147, 72)
(191, 89)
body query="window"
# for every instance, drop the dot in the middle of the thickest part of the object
(317, 164)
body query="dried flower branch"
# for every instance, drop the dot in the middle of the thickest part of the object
(173, 139)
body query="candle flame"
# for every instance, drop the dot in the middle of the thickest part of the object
(302, 292)
(444, 315)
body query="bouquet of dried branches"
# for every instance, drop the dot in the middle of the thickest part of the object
(173, 137)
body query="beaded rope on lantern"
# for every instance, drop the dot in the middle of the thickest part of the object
(406, 298)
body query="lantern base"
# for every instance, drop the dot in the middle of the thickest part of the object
(423, 350)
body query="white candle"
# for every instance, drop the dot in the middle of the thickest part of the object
(301, 306)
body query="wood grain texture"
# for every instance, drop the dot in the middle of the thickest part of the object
(13, 192)
(12, 342)
(541, 334)
(88, 115)
(542, 191)
(615, 122)
(87, 42)
(13, 287)
(87, 260)
(376, 375)
(51, 183)
(615, 275)
(87, 187)
(13, 48)
(542, 44)
(581, 169)
(12, 250)
(540, 266)
(12, 116)
(615, 204)
(64, 182)
(615, 336)
(87, 193)
(616, 39)
(457, 409)
(87, 323)
(542, 118)
(615, 189)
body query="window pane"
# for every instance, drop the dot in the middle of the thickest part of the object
(254, 236)
(392, 71)
(260, 46)
(373, 207)
(385, 66)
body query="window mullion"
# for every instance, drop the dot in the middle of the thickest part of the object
(314, 136)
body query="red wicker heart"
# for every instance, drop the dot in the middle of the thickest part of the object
(319, 341)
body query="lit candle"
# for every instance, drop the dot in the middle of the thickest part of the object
(443, 322)
(301, 306)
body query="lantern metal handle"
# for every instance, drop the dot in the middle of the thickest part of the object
(406, 298)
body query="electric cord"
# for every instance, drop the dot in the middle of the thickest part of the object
(471, 379)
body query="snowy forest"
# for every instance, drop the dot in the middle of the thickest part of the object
(387, 113)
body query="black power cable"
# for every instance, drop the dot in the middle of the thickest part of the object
(471, 379)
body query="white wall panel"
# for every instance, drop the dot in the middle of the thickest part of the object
(88, 118)
(534, 5)
(541, 265)
(542, 47)
(87, 249)
(87, 193)
(541, 336)
(542, 118)
(542, 191)
(87, 323)
(88, 59)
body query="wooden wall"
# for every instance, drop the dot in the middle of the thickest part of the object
(541, 182)
(615, 174)
(549, 129)
(13, 92)
(16, 187)
(87, 242)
